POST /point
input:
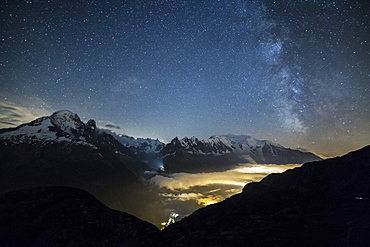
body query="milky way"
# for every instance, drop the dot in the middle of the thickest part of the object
(294, 72)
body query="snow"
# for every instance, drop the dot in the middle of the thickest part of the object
(40, 130)
(146, 145)
(66, 121)
(242, 145)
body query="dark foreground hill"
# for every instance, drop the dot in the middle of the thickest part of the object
(63, 216)
(96, 170)
(324, 203)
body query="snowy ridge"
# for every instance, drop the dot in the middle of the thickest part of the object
(67, 121)
(138, 145)
(243, 148)
(61, 126)
(214, 146)
(66, 126)
(223, 144)
(38, 128)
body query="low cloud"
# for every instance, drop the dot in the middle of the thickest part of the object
(240, 176)
(111, 126)
(12, 115)
(183, 193)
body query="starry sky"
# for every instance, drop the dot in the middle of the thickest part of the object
(296, 72)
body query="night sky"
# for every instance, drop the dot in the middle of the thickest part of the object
(292, 71)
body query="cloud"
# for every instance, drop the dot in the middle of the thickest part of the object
(186, 180)
(12, 114)
(241, 175)
(183, 193)
(111, 126)
(201, 199)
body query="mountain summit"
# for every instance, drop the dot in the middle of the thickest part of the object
(61, 126)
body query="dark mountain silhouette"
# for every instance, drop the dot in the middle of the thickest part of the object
(324, 203)
(62, 216)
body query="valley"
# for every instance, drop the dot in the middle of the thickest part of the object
(179, 187)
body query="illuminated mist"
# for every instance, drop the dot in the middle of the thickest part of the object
(183, 193)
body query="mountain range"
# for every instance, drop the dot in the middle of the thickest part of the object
(180, 155)
(219, 153)
(61, 150)
(322, 203)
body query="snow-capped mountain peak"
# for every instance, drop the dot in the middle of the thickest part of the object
(67, 121)
(61, 126)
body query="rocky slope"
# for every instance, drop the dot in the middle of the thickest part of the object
(220, 153)
(324, 203)
(62, 216)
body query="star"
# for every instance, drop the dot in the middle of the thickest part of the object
(159, 69)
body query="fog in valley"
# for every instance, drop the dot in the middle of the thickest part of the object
(183, 193)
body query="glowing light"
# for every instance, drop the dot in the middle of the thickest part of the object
(266, 168)
(210, 203)
(170, 221)
(209, 188)
(260, 169)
